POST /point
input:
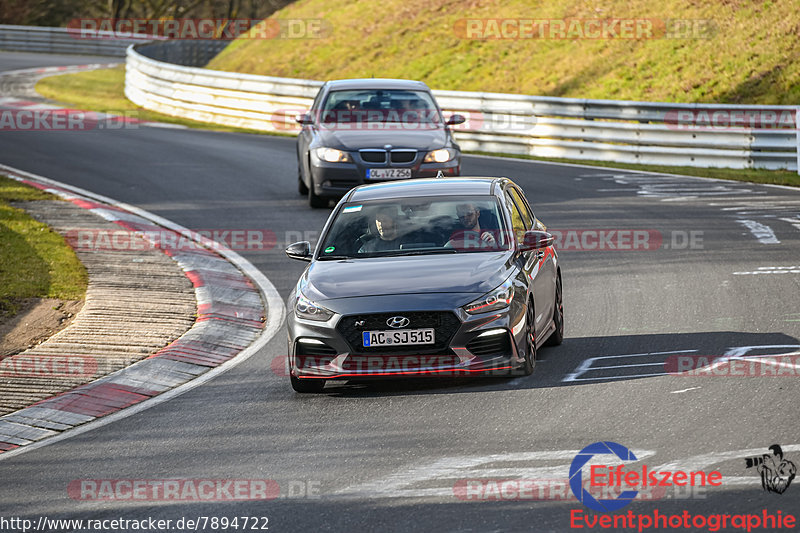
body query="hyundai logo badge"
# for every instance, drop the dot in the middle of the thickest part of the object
(398, 322)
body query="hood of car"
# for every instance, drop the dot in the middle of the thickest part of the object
(475, 273)
(429, 138)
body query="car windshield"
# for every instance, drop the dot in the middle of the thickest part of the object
(416, 226)
(379, 106)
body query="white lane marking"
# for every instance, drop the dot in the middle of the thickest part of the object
(760, 231)
(795, 222)
(772, 270)
(587, 366)
(591, 365)
(446, 471)
(683, 390)
(438, 478)
(761, 359)
(740, 351)
(274, 304)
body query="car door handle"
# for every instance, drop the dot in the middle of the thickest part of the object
(540, 254)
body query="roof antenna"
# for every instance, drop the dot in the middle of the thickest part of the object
(439, 174)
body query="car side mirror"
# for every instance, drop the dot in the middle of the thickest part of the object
(299, 250)
(534, 240)
(305, 119)
(456, 119)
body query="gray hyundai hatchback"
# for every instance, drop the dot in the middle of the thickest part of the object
(424, 277)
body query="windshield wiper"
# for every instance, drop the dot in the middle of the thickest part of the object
(324, 257)
(430, 251)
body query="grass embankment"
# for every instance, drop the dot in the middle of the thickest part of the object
(743, 52)
(35, 262)
(104, 91)
(747, 52)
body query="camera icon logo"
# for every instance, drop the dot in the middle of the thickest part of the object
(776, 471)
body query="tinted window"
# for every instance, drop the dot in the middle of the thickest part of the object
(517, 222)
(418, 226)
(380, 105)
(527, 216)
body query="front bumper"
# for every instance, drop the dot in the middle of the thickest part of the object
(467, 345)
(335, 179)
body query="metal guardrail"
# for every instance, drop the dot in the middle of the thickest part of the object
(64, 41)
(187, 53)
(163, 76)
(605, 130)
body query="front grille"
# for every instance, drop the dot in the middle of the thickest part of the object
(403, 156)
(373, 156)
(490, 345)
(444, 322)
(341, 184)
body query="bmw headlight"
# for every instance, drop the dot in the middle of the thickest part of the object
(442, 155)
(305, 308)
(500, 298)
(332, 155)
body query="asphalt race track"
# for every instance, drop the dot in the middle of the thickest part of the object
(387, 456)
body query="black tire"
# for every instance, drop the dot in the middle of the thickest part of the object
(307, 385)
(557, 337)
(301, 186)
(314, 200)
(530, 352)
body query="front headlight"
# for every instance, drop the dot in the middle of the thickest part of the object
(442, 155)
(332, 155)
(305, 308)
(500, 298)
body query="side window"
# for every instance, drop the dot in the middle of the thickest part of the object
(517, 222)
(527, 216)
(317, 100)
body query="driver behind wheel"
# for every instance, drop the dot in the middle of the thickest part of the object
(476, 228)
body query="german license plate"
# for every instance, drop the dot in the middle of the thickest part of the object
(388, 173)
(404, 337)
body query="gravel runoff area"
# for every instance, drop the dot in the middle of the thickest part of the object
(155, 318)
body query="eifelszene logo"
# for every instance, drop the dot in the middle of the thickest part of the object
(576, 477)
(776, 471)
(616, 485)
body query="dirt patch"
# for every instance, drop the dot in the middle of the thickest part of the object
(36, 320)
